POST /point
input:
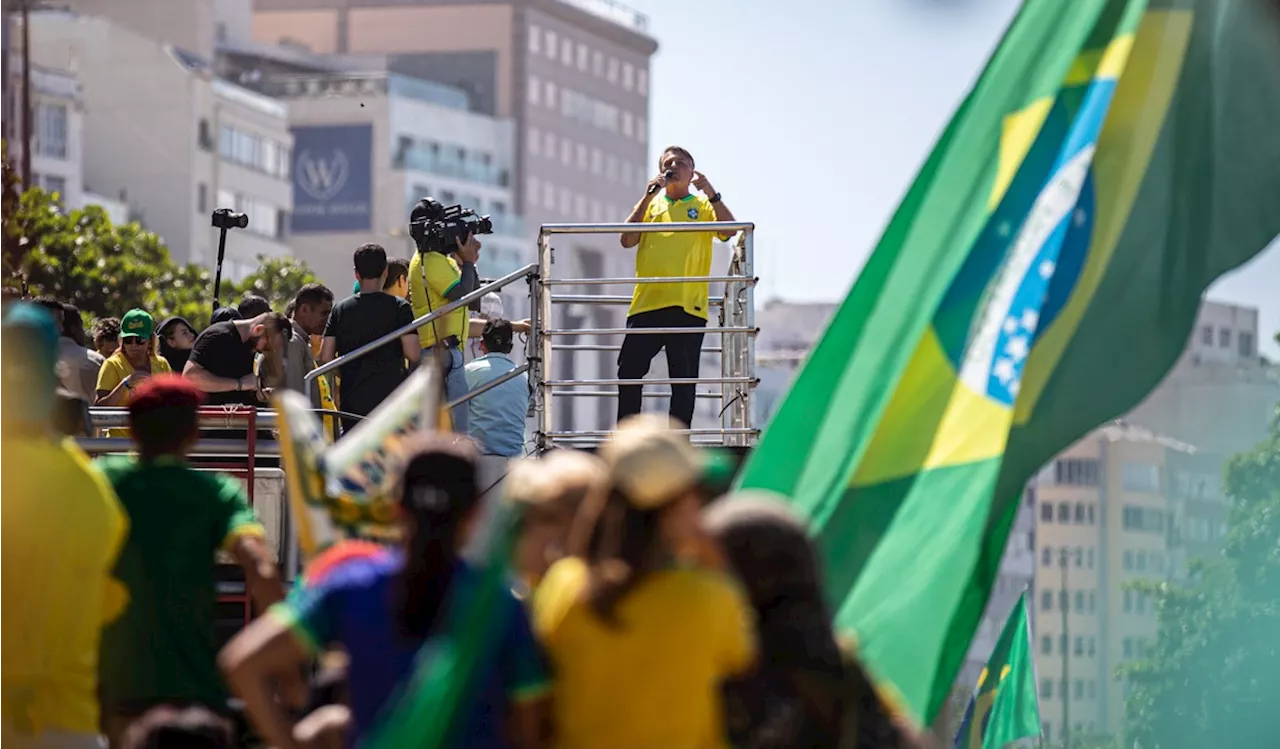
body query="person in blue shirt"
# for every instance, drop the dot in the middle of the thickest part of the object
(497, 416)
(389, 609)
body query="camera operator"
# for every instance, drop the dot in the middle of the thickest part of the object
(443, 270)
(669, 305)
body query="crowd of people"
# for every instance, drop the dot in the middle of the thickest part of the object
(643, 611)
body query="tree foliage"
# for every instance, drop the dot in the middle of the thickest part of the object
(106, 269)
(1213, 678)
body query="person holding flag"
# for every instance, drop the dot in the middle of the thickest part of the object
(1004, 707)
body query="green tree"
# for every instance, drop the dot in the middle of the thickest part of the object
(277, 280)
(1213, 678)
(106, 269)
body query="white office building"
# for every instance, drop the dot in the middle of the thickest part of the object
(368, 145)
(165, 137)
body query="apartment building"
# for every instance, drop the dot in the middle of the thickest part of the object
(573, 77)
(1104, 519)
(173, 142)
(57, 129)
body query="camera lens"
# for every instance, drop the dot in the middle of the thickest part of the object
(239, 220)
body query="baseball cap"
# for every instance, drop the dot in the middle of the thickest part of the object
(650, 463)
(136, 322)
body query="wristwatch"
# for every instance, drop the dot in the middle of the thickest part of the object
(714, 199)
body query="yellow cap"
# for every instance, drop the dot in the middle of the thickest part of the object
(650, 463)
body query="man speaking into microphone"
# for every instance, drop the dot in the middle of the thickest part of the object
(669, 305)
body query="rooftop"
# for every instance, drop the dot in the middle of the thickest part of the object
(614, 11)
(371, 83)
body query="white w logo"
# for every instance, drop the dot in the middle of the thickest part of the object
(322, 178)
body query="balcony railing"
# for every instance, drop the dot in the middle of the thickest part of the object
(446, 163)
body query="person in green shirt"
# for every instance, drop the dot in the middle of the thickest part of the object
(162, 650)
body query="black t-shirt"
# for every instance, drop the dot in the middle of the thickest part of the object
(362, 319)
(221, 351)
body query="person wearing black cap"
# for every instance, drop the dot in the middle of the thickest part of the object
(177, 336)
(497, 416)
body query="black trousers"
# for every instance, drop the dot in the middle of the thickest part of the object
(684, 352)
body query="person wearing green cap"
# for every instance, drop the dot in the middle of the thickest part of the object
(132, 363)
(56, 556)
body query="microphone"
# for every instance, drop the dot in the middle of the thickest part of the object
(668, 175)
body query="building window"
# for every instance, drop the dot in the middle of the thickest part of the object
(566, 151)
(535, 39)
(611, 73)
(580, 207)
(548, 196)
(1128, 560)
(1224, 338)
(1046, 601)
(1079, 555)
(1089, 514)
(1141, 477)
(1079, 517)
(1046, 689)
(1079, 601)
(1206, 335)
(582, 157)
(1078, 650)
(1079, 689)
(611, 169)
(1046, 556)
(51, 130)
(582, 57)
(642, 81)
(1093, 601)
(1141, 606)
(626, 124)
(566, 200)
(1076, 472)
(597, 161)
(535, 90)
(1064, 601)
(1046, 512)
(597, 63)
(1064, 512)
(1142, 519)
(1141, 559)
(552, 44)
(628, 75)
(551, 95)
(1128, 601)
(202, 198)
(1046, 645)
(1127, 647)
(1245, 341)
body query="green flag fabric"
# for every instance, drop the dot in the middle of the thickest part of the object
(1039, 278)
(1004, 708)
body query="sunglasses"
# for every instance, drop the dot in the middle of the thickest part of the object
(133, 340)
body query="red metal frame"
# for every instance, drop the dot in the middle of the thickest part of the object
(246, 471)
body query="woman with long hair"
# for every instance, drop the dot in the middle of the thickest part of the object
(638, 639)
(808, 692)
(382, 609)
(177, 336)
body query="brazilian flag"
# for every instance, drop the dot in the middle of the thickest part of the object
(1004, 707)
(1040, 276)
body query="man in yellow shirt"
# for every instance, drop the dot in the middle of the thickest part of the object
(435, 280)
(62, 530)
(669, 305)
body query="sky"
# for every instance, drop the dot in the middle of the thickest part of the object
(811, 118)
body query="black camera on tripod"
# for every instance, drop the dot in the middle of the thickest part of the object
(225, 218)
(438, 228)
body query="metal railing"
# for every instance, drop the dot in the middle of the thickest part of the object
(528, 272)
(736, 330)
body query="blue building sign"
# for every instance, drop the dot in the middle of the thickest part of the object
(332, 178)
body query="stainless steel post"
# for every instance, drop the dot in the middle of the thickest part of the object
(543, 320)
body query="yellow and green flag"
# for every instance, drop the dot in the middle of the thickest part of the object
(1004, 708)
(1039, 278)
